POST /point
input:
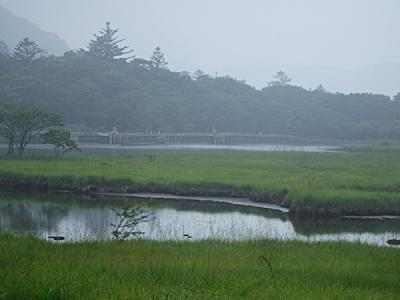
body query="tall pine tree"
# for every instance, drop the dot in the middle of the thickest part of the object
(27, 50)
(107, 45)
(158, 59)
(281, 79)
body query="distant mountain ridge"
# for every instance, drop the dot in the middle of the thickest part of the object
(14, 28)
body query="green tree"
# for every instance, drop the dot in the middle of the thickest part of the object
(320, 89)
(27, 50)
(280, 79)
(158, 59)
(107, 45)
(20, 123)
(61, 140)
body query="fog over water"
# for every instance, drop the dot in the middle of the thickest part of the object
(345, 45)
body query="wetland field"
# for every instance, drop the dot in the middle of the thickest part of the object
(315, 247)
(307, 183)
(266, 269)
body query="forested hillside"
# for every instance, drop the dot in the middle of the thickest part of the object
(94, 93)
(96, 89)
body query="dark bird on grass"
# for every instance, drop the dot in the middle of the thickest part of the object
(393, 242)
(187, 236)
(56, 237)
(139, 232)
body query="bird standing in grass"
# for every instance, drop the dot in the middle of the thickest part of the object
(56, 237)
(393, 242)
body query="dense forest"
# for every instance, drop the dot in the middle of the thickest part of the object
(98, 88)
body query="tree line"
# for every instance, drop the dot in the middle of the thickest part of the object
(105, 85)
(104, 45)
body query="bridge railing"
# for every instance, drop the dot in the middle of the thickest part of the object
(131, 139)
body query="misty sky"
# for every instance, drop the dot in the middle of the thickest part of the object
(242, 38)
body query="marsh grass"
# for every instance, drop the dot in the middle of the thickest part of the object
(344, 181)
(34, 269)
(383, 147)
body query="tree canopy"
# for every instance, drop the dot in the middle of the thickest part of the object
(20, 123)
(27, 50)
(280, 79)
(61, 140)
(158, 59)
(106, 45)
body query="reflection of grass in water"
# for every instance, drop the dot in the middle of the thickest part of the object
(309, 226)
(22, 204)
(206, 270)
(69, 200)
(202, 206)
(30, 216)
(53, 206)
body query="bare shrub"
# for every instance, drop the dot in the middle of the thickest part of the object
(129, 218)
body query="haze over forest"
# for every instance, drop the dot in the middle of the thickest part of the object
(348, 46)
(99, 84)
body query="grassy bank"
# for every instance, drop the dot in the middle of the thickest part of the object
(33, 269)
(383, 147)
(306, 182)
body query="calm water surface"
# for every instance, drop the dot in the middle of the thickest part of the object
(89, 219)
(96, 149)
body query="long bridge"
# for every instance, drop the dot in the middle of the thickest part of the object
(131, 139)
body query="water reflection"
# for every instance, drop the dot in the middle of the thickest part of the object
(312, 225)
(98, 149)
(37, 216)
(87, 219)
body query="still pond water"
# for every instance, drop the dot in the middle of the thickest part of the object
(89, 219)
(116, 150)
